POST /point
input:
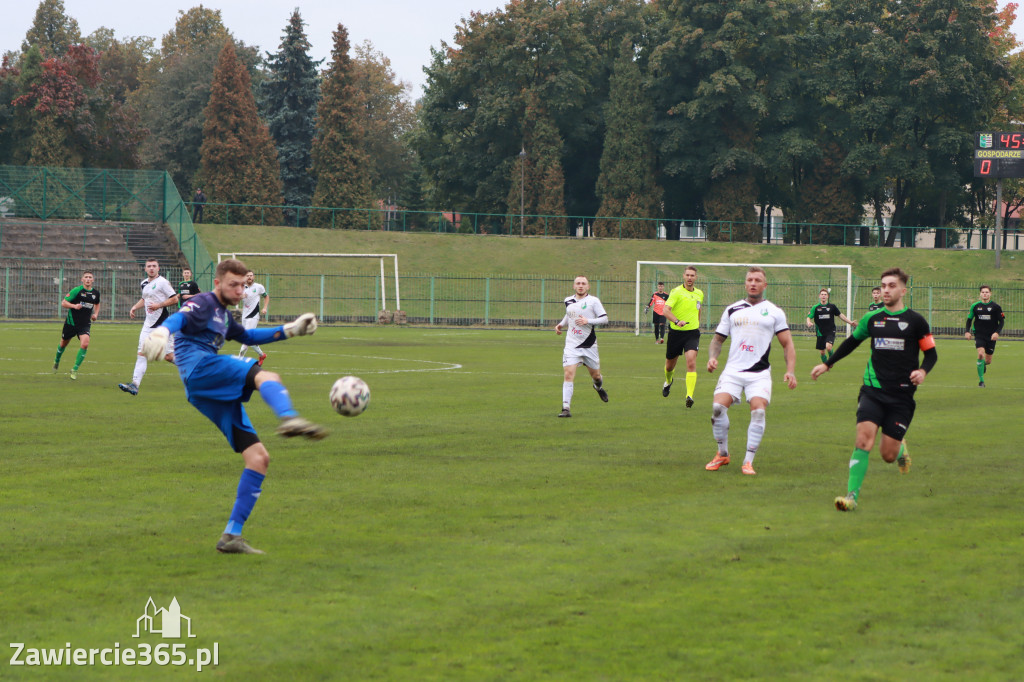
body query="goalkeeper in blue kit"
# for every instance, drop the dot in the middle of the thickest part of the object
(218, 385)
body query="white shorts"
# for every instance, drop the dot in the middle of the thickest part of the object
(144, 334)
(250, 322)
(754, 384)
(587, 356)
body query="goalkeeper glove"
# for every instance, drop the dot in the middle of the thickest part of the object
(153, 347)
(303, 325)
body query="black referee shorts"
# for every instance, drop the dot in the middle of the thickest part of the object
(893, 412)
(680, 341)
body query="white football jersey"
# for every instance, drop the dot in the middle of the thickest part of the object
(251, 299)
(157, 291)
(752, 328)
(589, 307)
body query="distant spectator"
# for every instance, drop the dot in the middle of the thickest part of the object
(197, 205)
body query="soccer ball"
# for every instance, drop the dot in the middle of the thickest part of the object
(350, 396)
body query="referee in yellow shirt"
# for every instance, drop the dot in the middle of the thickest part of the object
(682, 309)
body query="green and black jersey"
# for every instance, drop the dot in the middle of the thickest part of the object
(875, 306)
(897, 340)
(186, 288)
(985, 319)
(824, 316)
(89, 298)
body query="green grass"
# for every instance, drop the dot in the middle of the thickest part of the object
(604, 258)
(459, 531)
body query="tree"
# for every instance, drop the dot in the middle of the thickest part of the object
(239, 161)
(175, 90)
(627, 186)
(388, 118)
(52, 30)
(289, 96)
(339, 162)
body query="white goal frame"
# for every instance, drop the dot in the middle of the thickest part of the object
(380, 256)
(766, 266)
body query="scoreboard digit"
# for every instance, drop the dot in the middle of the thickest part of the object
(999, 155)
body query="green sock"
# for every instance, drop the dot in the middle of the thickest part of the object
(903, 446)
(60, 352)
(858, 470)
(824, 357)
(669, 375)
(81, 356)
(981, 370)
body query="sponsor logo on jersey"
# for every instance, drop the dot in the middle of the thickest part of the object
(879, 323)
(883, 343)
(746, 347)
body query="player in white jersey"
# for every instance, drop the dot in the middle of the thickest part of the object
(752, 323)
(583, 313)
(157, 296)
(251, 296)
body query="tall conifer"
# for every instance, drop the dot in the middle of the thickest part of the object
(289, 97)
(239, 161)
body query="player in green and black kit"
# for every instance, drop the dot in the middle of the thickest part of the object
(986, 317)
(187, 287)
(824, 315)
(898, 335)
(876, 299)
(83, 306)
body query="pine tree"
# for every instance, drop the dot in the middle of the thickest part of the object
(340, 166)
(239, 163)
(626, 186)
(289, 98)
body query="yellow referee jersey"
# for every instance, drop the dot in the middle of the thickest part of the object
(685, 305)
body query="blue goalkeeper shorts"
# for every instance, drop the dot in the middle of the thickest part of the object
(217, 387)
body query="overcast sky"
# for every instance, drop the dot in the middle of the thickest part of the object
(403, 30)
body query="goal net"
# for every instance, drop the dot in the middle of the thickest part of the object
(794, 288)
(339, 287)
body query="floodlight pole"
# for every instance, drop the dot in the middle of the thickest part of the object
(522, 188)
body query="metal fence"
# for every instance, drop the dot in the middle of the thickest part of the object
(396, 219)
(32, 289)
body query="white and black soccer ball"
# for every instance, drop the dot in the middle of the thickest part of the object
(350, 396)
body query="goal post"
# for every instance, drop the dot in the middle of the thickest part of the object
(792, 287)
(309, 283)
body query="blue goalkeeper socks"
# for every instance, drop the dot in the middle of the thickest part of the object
(276, 395)
(248, 492)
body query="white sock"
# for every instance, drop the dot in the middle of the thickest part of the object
(241, 352)
(720, 427)
(140, 369)
(566, 394)
(754, 434)
(259, 351)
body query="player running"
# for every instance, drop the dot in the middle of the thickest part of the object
(987, 319)
(657, 318)
(83, 306)
(683, 312)
(251, 311)
(157, 296)
(752, 322)
(583, 313)
(824, 315)
(898, 335)
(219, 385)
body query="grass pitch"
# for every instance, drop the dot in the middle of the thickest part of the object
(459, 531)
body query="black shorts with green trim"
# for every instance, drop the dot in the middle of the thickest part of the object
(891, 411)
